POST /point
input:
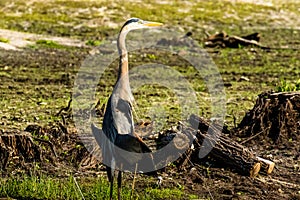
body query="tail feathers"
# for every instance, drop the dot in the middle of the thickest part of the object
(95, 129)
(97, 132)
(130, 144)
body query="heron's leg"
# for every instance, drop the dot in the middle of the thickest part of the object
(111, 181)
(111, 190)
(119, 184)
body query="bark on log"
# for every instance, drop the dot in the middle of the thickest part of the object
(213, 138)
(223, 149)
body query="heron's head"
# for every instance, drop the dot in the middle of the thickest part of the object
(136, 23)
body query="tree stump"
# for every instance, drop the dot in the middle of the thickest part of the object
(275, 116)
(18, 148)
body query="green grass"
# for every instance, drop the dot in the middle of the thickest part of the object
(48, 187)
(93, 42)
(264, 70)
(49, 43)
(34, 100)
(35, 90)
(60, 17)
(285, 86)
(39, 188)
(4, 40)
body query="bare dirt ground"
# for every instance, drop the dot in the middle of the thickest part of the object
(20, 40)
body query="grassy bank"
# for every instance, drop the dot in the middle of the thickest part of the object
(48, 187)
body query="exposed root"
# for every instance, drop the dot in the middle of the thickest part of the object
(275, 116)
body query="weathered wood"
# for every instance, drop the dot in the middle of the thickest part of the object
(267, 166)
(274, 116)
(18, 146)
(222, 39)
(210, 138)
(223, 149)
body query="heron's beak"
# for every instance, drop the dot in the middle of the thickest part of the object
(152, 24)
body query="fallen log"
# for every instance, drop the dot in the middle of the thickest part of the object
(221, 148)
(225, 150)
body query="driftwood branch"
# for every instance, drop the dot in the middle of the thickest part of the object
(222, 39)
(47, 142)
(66, 109)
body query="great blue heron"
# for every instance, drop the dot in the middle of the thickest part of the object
(118, 125)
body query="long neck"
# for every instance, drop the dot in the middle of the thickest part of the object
(123, 64)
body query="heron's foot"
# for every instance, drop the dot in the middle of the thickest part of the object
(159, 181)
